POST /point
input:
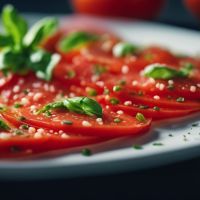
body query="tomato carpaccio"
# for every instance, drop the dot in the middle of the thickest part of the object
(129, 99)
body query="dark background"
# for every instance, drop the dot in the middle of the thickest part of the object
(176, 181)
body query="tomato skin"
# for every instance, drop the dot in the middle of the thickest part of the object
(163, 113)
(193, 6)
(141, 9)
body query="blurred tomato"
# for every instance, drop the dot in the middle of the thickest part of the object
(142, 9)
(194, 7)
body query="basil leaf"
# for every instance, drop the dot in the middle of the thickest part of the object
(40, 31)
(75, 40)
(12, 60)
(159, 71)
(5, 41)
(4, 126)
(14, 24)
(81, 105)
(123, 49)
(43, 63)
(91, 107)
(186, 70)
(74, 104)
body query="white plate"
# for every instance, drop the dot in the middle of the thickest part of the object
(120, 156)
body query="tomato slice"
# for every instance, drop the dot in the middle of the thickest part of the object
(161, 113)
(81, 124)
(20, 141)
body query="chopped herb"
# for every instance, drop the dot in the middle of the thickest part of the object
(156, 108)
(122, 82)
(86, 152)
(180, 99)
(99, 69)
(106, 91)
(71, 73)
(18, 132)
(170, 135)
(117, 120)
(4, 126)
(17, 105)
(22, 118)
(157, 144)
(91, 92)
(140, 117)
(67, 122)
(114, 101)
(117, 88)
(143, 107)
(26, 91)
(195, 124)
(136, 146)
(24, 126)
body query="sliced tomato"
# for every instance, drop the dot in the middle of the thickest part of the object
(18, 142)
(81, 124)
(161, 113)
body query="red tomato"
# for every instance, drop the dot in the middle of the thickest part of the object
(27, 144)
(193, 6)
(128, 125)
(162, 113)
(141, 9)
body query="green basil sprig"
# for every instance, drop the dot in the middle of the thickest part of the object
(75, 40)
(81, 105)
(20, 47)
(160, 71)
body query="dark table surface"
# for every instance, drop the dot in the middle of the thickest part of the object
(176, 181)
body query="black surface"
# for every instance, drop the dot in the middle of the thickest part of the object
(176, 181)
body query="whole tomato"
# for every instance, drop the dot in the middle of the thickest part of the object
(142, 9)
(193, 6)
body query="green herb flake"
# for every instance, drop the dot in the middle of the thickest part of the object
(18, 132)
(140, 117)
(122, 82)
(143, 107)
(71, 74)
(24, 126)
(157, 144)
(137, 147)
(4, 126)
(156, 108)
(117, 120)
(91, 92)
(17, 105)
(170, 87)
(114, 101)
(195, 124)
(180, 99)
(86, 152)
(99, 69)
(106, 91)
(22, 118)
(140, 93)
(66, 122)
(117, 88)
